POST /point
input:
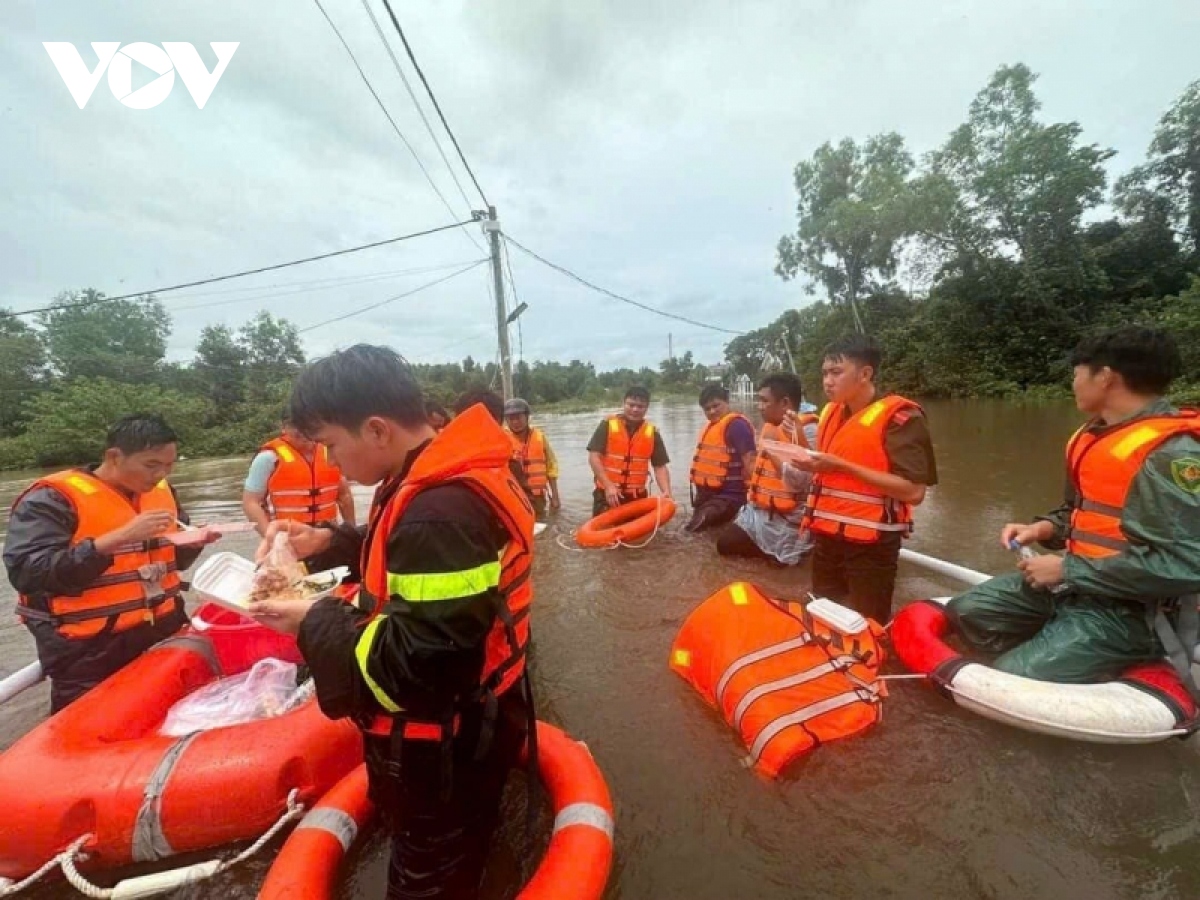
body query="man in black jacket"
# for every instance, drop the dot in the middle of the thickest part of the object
(430, 663)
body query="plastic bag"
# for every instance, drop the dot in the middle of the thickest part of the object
(268, 689)
(278, 570)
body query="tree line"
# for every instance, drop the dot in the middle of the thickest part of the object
(981, 266)
(89, 360)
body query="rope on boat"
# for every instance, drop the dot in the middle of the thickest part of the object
(157, 882)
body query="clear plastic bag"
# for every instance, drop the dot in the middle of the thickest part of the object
(268, 689)
(278, 570)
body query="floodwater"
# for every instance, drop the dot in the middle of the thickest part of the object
(934, 802)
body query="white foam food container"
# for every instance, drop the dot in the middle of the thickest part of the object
(227, 579)
(838, 617)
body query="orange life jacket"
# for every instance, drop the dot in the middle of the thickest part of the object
(767, 489)
(142, 583)
(627, 457)
(471, 450)
(840, 504)
(784, 680)
(714, 456)
(530, 452)
(303, 491)
(1102, 466)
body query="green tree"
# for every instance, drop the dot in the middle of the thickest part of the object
(853, 207)
(22, 374)
(271, 354)
(67, 424)
(220, 369)
(88, 336)
(1172, 171)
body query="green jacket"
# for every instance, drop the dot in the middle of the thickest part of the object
(1161, 519)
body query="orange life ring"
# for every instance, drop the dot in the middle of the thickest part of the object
(627, 522)
(100, 768)
(576, 865)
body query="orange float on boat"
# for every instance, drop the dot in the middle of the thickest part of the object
(100, 767)
(576, 865)
(627, 522)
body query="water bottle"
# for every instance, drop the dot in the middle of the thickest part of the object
(1029, 553)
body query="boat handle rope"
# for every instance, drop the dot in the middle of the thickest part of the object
(157, 882)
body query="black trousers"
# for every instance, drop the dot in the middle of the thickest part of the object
(443, 816)
(600, 503)
(75, 666)
(712, 511)
(861, 576)
(733, 541)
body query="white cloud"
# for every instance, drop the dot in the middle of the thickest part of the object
(648, 146)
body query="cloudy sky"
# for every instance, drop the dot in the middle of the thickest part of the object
(645, 144)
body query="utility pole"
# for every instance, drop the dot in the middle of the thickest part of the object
(670, 348)
(491, 226)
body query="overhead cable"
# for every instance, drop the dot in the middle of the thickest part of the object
(595, 287)
(8, 314)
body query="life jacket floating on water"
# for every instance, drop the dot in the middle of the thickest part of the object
(786, 675)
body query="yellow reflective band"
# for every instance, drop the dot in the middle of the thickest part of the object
(872, 413)
(285, 453)
(1129, 444)
(738, 593)
(424, 588)
(82, 484)
(682, 658)
(614, 425)
(362, 652)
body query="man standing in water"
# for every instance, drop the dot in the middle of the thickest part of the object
(621, 453)
(533, 453)
(433, 670)
(293, 478)
(1130, 524)
(874, 463)
(88, 555)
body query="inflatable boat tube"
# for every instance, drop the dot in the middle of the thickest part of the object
(628, 522)
(1148, 703)
(575, 867)
(100, 768)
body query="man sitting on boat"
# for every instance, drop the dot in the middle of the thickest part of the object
(86, 552)
(1130, 525)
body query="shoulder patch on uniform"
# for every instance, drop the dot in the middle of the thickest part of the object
(1186, 473)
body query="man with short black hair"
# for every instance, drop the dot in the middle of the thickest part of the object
(492, 401)
(292, 477)
(724, 454)
(1130, 524)
(88, 553)
(430, 662)
(623, 451)
(873, 464)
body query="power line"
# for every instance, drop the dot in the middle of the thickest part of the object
(7, 314)
(413, 59)
(608, 293)
(363, 309)
(395, 127)
(412, 96)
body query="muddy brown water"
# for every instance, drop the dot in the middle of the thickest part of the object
(934, 802)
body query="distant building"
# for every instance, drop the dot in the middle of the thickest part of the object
(742, 387)
(719, 371)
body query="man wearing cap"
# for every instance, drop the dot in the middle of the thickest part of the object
(532, 451)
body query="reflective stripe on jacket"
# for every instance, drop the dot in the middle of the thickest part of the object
(141, 585)
(714, 456)
(300, 490)
(1102, 466)
(842, 505)
(472, 451)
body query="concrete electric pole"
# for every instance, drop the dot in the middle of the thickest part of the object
(491, 227)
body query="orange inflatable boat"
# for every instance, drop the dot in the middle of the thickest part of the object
(100, 773)
(575, 867)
